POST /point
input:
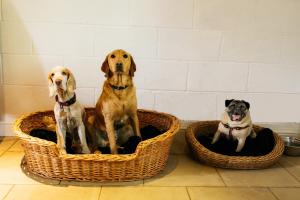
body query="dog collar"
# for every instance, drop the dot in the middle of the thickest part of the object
(66, 103)
(233, 128)
(118, 87)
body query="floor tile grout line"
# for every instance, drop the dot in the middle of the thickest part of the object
(282, 166)
(101, 187)
(219, 174)
(269, 189)
(187, 191)
(7, 150)
(12, 187)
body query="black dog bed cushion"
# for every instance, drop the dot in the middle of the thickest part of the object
(259, 146)
(129, 147)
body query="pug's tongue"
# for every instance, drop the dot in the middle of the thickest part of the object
(235, 117)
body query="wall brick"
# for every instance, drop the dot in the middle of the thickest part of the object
(266, 107)
(34, 99)
(188, 44)
(251, 47)
(161, 75)
(217, 77)
(269, 15)
(140, 42)
(291, 48)
(274, 78)
(291, 15)
(87, 71)
(15, 38)
(62, 39)
(168, 13)
(29, 69)
(67, 11)
(188, 106)
(19, 100)
(86, 96)
(145, 99)
(224, 14)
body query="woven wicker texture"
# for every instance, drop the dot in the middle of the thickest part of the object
(43, 158)
(206, 156)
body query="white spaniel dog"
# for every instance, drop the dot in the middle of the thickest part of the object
(68, 111)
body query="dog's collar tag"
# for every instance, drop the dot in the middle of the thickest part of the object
(67, 103)
(118, 87)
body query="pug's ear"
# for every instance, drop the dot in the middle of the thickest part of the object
(132, 67)
(227, 102)
(105, 67)
(51, 85)
(247, 104)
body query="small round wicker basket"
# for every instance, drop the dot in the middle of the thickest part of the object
(42, 157)
(206, 156)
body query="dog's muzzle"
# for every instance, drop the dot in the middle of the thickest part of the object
(119, 67)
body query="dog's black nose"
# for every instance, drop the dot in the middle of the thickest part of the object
(58, 82)
(119, 66)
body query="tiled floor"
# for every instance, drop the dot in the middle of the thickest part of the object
(183, 179)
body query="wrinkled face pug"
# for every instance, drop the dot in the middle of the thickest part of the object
(235, 123)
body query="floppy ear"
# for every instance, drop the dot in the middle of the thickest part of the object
(247, 104)
(71, 83)
(51, 86)
(132, 67)
(105, 68)
(227, 102)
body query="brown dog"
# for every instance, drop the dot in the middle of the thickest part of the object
(117, 102)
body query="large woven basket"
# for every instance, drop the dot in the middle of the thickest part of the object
(206, 156)
(42, 157)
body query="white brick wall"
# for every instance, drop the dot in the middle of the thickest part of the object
(191, 55)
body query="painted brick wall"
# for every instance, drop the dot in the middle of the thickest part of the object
(191, 54)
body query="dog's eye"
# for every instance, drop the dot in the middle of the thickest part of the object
(64, 73)
(125, 56)
(52, 75)
(113, 56)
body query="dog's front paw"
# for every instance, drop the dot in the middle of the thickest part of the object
(114, 151)
(85, 150)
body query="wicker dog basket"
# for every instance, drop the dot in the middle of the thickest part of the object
(42, 157)
(206, 156)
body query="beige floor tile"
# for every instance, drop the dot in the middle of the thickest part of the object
(16, 147)
(93, 184)
(46, 192)
(275, 176)
(286, 193)
(145, 193)
(183, 171)
(10, 170)
(4, 189)
(292, 164)
(6, 142)
(198, 193)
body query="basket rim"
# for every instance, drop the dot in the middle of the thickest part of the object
(191, 139)
(173, 129)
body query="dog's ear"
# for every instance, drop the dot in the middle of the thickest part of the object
(132, 67)
(71, 83)
(247, 104)
(105, 68)
(51, 85)
(227, 102)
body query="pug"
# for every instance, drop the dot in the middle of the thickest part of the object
(235, 123)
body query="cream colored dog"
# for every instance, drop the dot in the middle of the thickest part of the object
(236, 123)
(68, 111)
